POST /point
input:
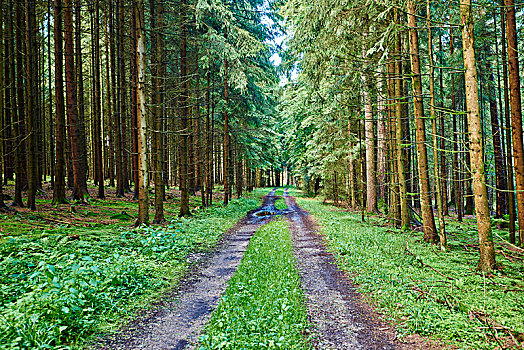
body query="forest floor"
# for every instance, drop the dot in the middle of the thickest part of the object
(294, 273)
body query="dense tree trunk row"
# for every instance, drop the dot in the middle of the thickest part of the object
(79, 100)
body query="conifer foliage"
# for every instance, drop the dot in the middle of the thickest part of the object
(406, 104)
(135, 95)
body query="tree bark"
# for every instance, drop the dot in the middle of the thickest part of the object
(97, 108)
(516, 111)
(143, 198)
(59, 194)
(432, 102)
(511, 187)
(81, 106)
(31, 102)
(71, 107)
(401, 176)
(19, 126)
(487, 252)
(369, 127)
(227, 185)
(430, 231)
(500, 164)
(184, 111)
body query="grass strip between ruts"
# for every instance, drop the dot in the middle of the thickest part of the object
(263, 306)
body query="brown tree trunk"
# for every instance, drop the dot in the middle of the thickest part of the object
(3, 85)
(456, 166)
(19, 127)
(511, 188)
(487, 252)
(500, 164)
(404, 214)
(71, 107)
(184, 112)
(59, 194)
(97, 108)
(443, 172)
(31, 102)
(382, 144)
(157, 21)
(369, 127)
(123, 100)
(134, 106)
(432, 102)
(143, 197)
(516, 111)
(81, 106)
(117, 101)
(430, 231)
(227, 184)
(10, 96)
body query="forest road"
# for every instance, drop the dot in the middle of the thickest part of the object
(177, 323)
(340, 319)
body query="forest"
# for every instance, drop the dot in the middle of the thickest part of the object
(251, 174)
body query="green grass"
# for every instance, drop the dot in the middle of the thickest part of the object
(279, 192)
(59, 286)
(263, 305)
(280, 204)
(417, 297)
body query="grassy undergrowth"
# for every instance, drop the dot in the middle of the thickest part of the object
(262, 307)
(58, 286)
(399, 272)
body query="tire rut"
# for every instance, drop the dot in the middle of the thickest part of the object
(340, 319)
(178, 324)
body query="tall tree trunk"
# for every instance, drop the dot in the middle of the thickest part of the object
(500, 164)
(143, 198)
(71, 107)
(382, 145)
(10, 96)
(227, 184)
(436, 163)
(456, 165)
(516, 111)
(184, 112)
(19, 127)
(430, 231)
(110, 92)
(117, 101)
(59, 194)
(401, 176)
(31, 102)
(134, 106)
(443, 172)
(487, 252)
(97, 116)
(81, 106)
(122, 96)
(3, 85)
(157, 22)
(369, 127)
(511, 188)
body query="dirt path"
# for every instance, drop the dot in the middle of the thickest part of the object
(340, 319)
(178, 325)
